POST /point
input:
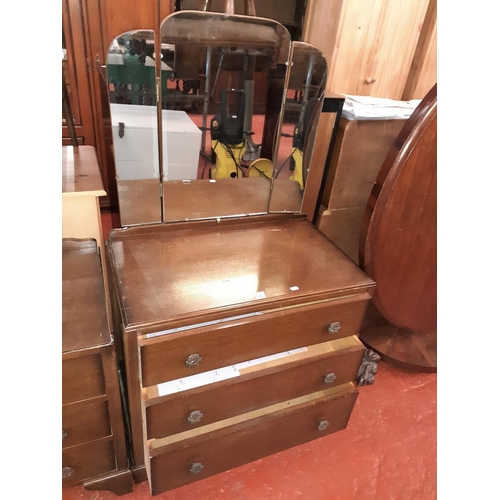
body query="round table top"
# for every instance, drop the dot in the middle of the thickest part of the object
(399, 233)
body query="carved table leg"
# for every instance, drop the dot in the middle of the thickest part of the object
(368, 368)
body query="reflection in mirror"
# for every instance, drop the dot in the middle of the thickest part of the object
(222, 94)
(306, 84)
(130, 71)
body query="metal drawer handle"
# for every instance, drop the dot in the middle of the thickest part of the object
(193, 360)
(334, 327)
(64, 434)
(195, 416)
(196, 467)
(323, 425)
(329, 378)
(66, 472)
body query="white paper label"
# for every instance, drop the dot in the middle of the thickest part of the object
(205, 378)
(210, 377)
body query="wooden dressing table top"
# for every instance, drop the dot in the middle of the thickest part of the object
(179, 271)
(80, 171)
(84, 317)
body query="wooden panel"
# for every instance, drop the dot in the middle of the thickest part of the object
(257, 386)
(113, 390)
(323, 26)
(77, 71)
(427, 76)
(360, 150)
(126, 15)
(318, 159)
(423, 71)
(80, 171)
(166, 7)
(242, 340)
(77, 75)
(121, 16)
(84, 313)
(66, 141)
(358, 37)
(249, 437)
(82, 378)
(81, 218)
(119, 482)
(369, 46)
(95, 30)
(87, 460)
(106, 152)
(397, 40)
(342, 226)
(134, 396)
(85, 421)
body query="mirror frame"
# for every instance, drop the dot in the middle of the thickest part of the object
(277, 132)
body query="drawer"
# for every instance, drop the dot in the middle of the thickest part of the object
(85, 421)
(211, 449)
(249, 386)
(87, 460)
(204, 347)
(82, 378)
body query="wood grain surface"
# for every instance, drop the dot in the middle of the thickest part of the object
(165, 273)
(84, 315)
(398, 244)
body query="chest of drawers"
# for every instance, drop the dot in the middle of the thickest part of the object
(93, 436)
(240, 340)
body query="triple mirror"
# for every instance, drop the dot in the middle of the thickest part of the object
(222, 125)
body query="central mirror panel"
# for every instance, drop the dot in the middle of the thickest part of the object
(223, 86)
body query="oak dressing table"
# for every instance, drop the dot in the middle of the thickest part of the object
(239, 330)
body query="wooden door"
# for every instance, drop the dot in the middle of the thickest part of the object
(371, 46)
(75, 68)
(89, 28)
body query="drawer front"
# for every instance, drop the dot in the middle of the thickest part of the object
(298, 421)
(319, 367)
(85, 421)
(82, 378)
(208, 347)
(87, 460)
